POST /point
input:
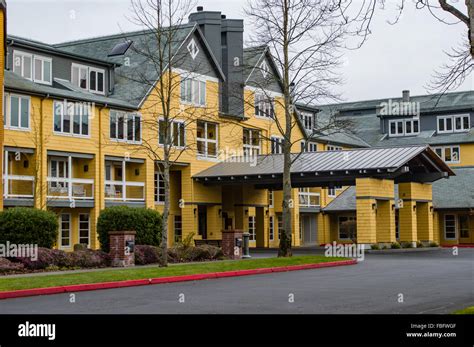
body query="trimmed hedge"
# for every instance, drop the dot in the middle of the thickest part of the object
(9, 267)
(58, 259)
(23, 225)
(151, 255)
(147, 223)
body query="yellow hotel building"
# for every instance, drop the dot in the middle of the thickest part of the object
(80, 115)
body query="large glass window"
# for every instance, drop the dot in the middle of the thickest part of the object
(450, 154)
(347, 228)
(264, 106)
(307, 119)
(88, 78)
(42, 69)
(125, 126)
(454, 123)
(450, 227)
(207, 140)
(193, 91)
(17, 112)
(71, 118)
(276, 144)
(404, 127)
(23, 64)
(251, 142)
(177, 133)
(159, 188)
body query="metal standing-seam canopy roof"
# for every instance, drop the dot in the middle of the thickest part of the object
(329, 168)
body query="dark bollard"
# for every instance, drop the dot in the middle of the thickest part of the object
(246, 251)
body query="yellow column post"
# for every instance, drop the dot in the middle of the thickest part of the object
(425, 223)
(295, 218)
(368, 191)
(2, 69)
(324, 228)
(386, 221)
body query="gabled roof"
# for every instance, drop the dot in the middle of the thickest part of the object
(134, 80)
(455, 193)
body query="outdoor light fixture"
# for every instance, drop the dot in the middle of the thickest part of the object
(374, 206)
(220, 212)
(86, 168)
(431, 208)
(26, 164)
(246, 211)
(195, 210)
(393, 207)
(414, 207)
(137, 172)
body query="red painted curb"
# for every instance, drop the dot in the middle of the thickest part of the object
(170, 279)
(458, 246)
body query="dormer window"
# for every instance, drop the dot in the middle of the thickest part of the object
(88, 78)
(307, 119)
(33, 67)
(404, 127)
(193, 49)
(454, 123)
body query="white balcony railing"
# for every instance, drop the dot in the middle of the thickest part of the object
(18, 187)
(124, 191)
(308, 199)
(70, 188)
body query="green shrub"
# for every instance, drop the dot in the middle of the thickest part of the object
(23, 225)
(145, 222)
(375, 246)
(433, 244)
(407, 245)
(419, 244)
(395, 245)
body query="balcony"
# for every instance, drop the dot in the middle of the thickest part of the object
(18, 177)
(124, 181)
(309, 199)
(70, 181)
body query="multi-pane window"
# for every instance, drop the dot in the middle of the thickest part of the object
(178, 228)
(277, 144)
(65, 230)
(271, 227)
(177, 133)
(280, 225)
(264, 106)
(347, 228)
(270, 198)
(17, 112)
(33, 67)
(159, 188)
(252, 229)
(125, 126)
(450, 227)
(71, 118)
(404, 127)
(450, 154)
(463, 225)
(309, 146)
(88, 78)
(308, 120)
(84, 229)
(59, 168)
(193, 91)
(454, 123)
(207, 144)
(334, 148)
(251, 142)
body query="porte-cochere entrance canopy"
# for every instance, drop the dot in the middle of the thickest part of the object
(324, 169)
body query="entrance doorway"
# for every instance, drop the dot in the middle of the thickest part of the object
(202, 221)
(309, 229)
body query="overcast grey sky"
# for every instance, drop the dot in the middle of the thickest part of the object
(402, 56)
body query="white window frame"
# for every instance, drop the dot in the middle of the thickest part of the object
(248, 147)
(43, 60)
(453, 118)
(61, 230)
(276, 144)
(125, 116)
(349, 218)
(271, 198)
(334, 148)
(265, 105)
(308, 146)
(455, 226)
(97, 71)
(199, 100)
(7, 112)
(22, 55)
(159, 185)
(207, 141)
(307, 119)
(80, 67)
(252, 228)
(64, 104)
(404, 122)
(88, 69)
(279, 225)
(443, 153)
(88, 228)
(173, 124)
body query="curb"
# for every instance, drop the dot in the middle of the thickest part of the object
(458, 246)
(161, 280)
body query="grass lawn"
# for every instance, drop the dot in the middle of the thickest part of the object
(467, 310)
(154, 272)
